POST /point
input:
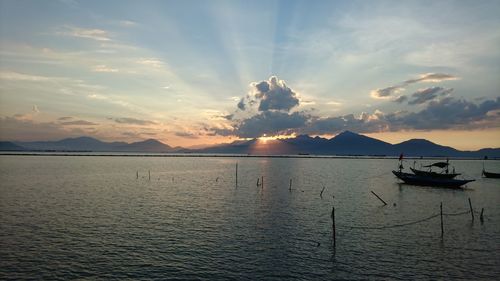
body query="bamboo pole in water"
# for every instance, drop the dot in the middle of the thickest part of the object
(262, 182)
(481, 216)
(137, 175)
(149, 174)
(442, 229)
(379, 198)
(471, 210)
(290, 188)
(236, 183)
(333, 226)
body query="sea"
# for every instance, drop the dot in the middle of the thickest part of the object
(192, 218)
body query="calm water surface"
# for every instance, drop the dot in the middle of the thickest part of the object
(89, 217)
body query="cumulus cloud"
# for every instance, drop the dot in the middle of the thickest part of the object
(438, 111)
(133, 121)
(271, 94)
(427, 94)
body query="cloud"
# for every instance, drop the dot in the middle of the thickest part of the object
(432, 77)
(267, 122)
(16, 128)
(104, 68)
(16, 76)
(386, 93)
(79, 123)
(153, 62)
(134, 121)
(94, 34)
(427, 94)
(64, 118)
(400, 99)
(271, 94)
(187, 135)
(438, 111)
(449, 113)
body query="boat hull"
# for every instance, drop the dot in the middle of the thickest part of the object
(491, 175)
(429, 181)
(433, 174)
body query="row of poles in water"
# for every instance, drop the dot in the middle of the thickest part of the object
(260, 182)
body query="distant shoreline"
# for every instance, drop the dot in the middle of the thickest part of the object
(91, 154)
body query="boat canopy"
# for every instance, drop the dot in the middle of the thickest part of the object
(438, 164)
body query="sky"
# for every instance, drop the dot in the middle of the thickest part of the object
(192, 73)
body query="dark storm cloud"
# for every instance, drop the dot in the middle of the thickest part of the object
(427, 94)
(133, 121)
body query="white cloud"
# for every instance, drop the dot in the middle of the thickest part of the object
(154, 62)
(104, 68)
(94, 34)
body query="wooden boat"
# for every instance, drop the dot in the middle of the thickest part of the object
(444, 174)
(491, 175)
(434, 174)
(430, 181)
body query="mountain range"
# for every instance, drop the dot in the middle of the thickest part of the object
(345, 143)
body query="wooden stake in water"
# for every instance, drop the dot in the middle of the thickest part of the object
(262, 182)
(481, 216)
(137, 175)
(471, 210)
(442, 229)
(149, 174)
(379, 198)
(290, 188)
(258, 179)
(321, 193)
(333, 226)
(236, 183)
